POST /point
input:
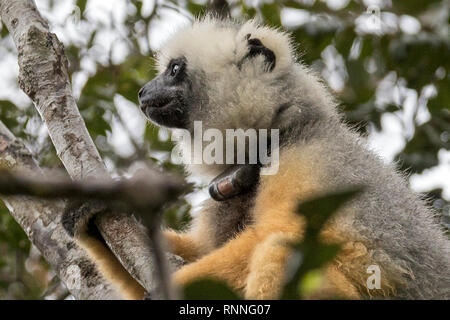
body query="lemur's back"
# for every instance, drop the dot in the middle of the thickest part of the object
(397, 231)
(400, 230)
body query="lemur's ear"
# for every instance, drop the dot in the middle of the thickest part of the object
(257, 48)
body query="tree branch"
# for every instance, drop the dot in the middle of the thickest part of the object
(38, 218)
(145, 192)
(44, 77)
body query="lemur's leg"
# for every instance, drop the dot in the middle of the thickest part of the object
(228, 263)
(231, 262)
(269, 260)
(267, 267)
(254, 265)
(182, 244)
(77, 219)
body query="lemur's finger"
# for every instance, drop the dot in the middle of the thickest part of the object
(234, 181)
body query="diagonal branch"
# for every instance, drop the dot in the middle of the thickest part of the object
(37, 218)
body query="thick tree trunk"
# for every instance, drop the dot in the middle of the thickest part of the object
(44, 77)
(40, 220)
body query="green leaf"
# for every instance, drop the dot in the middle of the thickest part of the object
(317, 211)
(412, 6)
(311, 282)
(197, 10)
(209, 290)
(416, 58)
(311, 254)
(9, 113)
(178, 216)
(4, 31)
(421, 151)
(247, 12)
(82, 5)
(271, 14)
(440, 104)
(152, 136)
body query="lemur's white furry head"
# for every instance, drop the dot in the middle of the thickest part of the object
(233, 91)
(230, 75)
(213, 45)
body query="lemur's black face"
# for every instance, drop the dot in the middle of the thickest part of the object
(165, 99)
(168, 99)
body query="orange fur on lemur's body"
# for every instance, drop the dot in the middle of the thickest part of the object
(254, 260)
(239, 76)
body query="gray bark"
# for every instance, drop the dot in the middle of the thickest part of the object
(40, 220)
(44, 78)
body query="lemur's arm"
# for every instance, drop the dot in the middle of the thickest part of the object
(182, 244)
(234, 181)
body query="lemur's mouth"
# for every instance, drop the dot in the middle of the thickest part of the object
(165, 112)
(157, 102)
(159, 106)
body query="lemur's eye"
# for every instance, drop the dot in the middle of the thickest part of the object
(175, 69)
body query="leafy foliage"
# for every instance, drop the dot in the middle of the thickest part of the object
(311, 253)
(209, 290)
(16, 281)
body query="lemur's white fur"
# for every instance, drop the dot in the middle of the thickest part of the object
(244, 97)
(198, 43)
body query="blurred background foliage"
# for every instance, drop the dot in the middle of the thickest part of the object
(387, 61)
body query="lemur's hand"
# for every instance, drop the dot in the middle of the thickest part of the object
(78, 214)
(234, 181)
